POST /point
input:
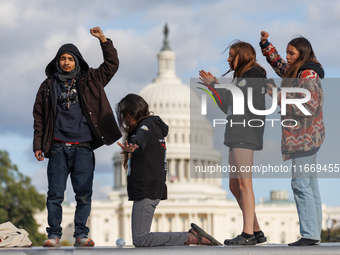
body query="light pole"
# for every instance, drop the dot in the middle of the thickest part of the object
(329, 225)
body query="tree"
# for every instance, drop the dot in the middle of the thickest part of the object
(19, 200)
(335, 235)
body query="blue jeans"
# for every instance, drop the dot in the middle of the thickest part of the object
(78, 162)
(307, 197)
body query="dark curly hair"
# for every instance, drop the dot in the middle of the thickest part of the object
(134, 107)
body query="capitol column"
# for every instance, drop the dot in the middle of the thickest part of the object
(217, 178)
(128, 228)
(169, 162)
(209, 221)
(192, 175)
(201, 174)
(177, 224)
(162, 223)
(181, 170)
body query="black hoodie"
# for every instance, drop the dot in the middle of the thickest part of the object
(70, 123)
(249, 127)
(147, 167)
(313, 66)
(92, 97)
(69, 47)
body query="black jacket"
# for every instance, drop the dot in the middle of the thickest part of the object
(95, 105)
(147, 166)
(313, 66)
(245, 133)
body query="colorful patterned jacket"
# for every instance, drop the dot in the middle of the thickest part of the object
(309, 131)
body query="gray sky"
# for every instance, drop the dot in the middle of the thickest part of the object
(32, 32)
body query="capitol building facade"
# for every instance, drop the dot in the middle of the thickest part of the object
(192, 197)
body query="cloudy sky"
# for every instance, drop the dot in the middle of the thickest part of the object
(32, 32)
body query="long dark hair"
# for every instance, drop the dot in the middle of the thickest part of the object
(246, 55)
(131, 106)
(306, 54)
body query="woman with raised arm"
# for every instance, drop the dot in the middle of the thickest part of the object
(302, 139)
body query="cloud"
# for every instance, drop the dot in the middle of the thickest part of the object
(32, 32)
(316, 11)
(9, 14)
(39, 181)
(199, 32)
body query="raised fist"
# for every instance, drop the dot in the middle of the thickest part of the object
(97, 32)
(264, 36)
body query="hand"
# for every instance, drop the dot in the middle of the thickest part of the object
(39, 155)
(264, 36)
(97, 32)
(270, 89)
(207, 77)
(128, 147)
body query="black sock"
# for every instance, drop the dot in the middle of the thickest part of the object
(245, 235)
(258, 232)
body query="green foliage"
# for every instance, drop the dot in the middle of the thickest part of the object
(335, 236)
(19, 200)
(65, 243)
(324, 236)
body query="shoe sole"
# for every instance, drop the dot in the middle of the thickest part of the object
(88, 244)
(204, 234)
(240, 242)
(51, 245)
(237, 243)
(261, 239)
(292, 244)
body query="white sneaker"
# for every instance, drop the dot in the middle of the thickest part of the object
(52, 242)
(84, 241)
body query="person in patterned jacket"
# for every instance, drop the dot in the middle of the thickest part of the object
(301, 139)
